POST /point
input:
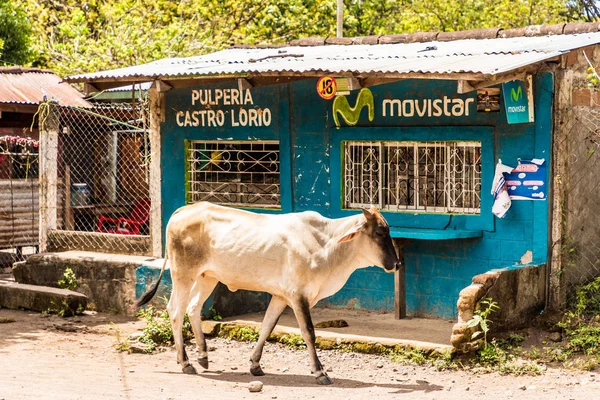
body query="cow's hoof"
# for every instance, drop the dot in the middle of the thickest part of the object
(256, 371)
(203, 362)
(324, 380)
(189, 369)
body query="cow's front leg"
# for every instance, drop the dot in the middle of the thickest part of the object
(276, 307)
(302, 312)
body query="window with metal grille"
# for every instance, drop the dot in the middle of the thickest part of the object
(235, 173)
(439, 177)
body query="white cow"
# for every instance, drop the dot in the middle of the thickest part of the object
(299, 258)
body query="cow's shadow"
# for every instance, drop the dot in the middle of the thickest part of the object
(293, 380)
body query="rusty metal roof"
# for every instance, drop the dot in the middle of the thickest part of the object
(30, 85)
(392, 56)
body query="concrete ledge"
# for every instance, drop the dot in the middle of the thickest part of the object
(63, 241)
(109, 280)
(40, 298)
(212, 328)
(519, 291)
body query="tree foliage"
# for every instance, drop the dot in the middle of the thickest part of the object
(14, 35)
(75, 36)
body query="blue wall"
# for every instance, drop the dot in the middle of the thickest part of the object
(436, 271)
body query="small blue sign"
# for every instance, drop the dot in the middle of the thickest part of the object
(516, 102)
(527, 181)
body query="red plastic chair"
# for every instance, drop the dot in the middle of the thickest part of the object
(130, 225)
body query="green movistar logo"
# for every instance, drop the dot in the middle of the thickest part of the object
(352, 114)
(516, 95)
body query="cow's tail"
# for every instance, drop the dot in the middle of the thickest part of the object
(146, 297)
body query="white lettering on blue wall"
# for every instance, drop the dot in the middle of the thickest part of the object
(208, 100)
(446, 106)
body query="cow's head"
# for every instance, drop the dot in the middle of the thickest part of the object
(374, 231)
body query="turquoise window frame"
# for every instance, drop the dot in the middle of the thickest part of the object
(483, 221)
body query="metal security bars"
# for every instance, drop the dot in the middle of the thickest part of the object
(439, 177)
(235, 173)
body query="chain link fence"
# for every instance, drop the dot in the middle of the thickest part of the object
(581, 221)
(19, 194)
(103, 173)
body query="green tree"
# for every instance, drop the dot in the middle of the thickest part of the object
(14, 35)
(76, 36)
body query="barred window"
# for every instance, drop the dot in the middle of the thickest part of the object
(236, 173)
(439, 177)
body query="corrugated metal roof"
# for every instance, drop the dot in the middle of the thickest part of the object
(484, 56)
(29, 85)
(128, 88)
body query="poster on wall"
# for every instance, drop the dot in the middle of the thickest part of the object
(518, 101)
(528, 180)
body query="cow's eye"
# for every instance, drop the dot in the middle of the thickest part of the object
(378, 233)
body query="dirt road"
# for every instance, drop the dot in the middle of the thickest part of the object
(56, 358)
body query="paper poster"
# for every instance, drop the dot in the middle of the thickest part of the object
(518, 101)
(528, 180)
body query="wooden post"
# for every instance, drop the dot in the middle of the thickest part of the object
(156, 117)
(400, 281)
(340, 18)
(556, 298)
(69, 218)
(48, 175)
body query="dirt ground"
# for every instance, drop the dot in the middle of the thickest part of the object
(74, 358)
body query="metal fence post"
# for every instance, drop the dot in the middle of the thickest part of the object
(48, 170)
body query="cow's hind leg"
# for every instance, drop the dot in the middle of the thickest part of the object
(176, 308)
(202, 288)
(272, 315)
(302, 312)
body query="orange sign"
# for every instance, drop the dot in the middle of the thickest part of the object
(327, 87)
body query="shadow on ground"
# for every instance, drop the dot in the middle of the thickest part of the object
(292, 380)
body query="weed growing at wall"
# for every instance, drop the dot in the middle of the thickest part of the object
(158, 330)
(240, 333)
(63, 309)
(481, 319)
(213, 314)
(69, 280)
(582, 325)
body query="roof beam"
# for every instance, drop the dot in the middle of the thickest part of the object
(19, 108)
(90, 88)
(244, 84)
(368, 82)
(162, 86)
(466, 86)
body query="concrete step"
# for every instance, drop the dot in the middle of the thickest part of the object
(41, 298)
(109, 280)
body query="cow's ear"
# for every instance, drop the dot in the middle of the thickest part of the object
(369, 214)
(352, 232)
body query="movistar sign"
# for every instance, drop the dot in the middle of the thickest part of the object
(516, 95)
(517, 103)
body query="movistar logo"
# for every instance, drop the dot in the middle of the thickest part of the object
(516, 95)
(350, 115)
